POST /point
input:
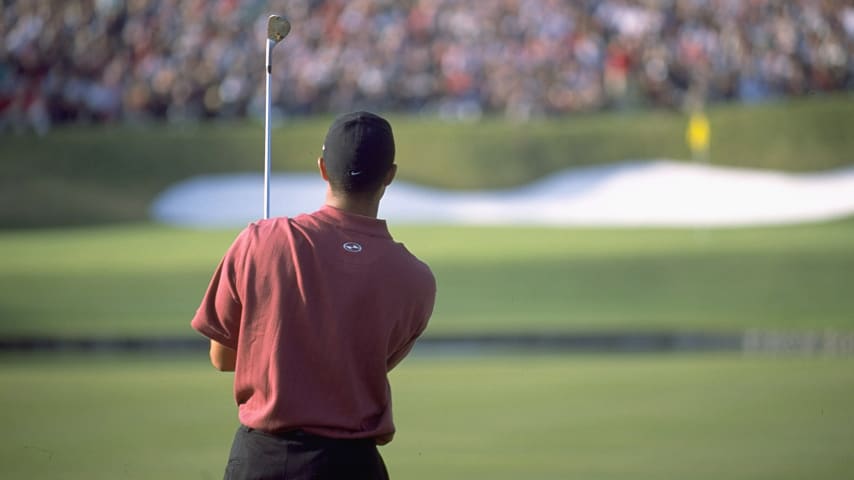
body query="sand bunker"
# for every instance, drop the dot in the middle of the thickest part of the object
(658, 193)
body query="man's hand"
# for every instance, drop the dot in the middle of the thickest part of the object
(222, 357)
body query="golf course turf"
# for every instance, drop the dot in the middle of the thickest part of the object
(83, 174)
(147, 280)
(496, 416)
(502, 417)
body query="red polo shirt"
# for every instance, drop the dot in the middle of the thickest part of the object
(319, 308)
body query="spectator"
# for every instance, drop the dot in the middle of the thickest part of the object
(143, 60)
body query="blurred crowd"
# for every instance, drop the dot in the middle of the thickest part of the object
(176, 60)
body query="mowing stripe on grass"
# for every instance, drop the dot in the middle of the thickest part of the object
(827, 343)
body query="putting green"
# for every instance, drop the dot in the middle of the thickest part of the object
(79, 175)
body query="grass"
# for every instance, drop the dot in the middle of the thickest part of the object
(147, 280)
(83, 175)
(542, 417)
(497, 417)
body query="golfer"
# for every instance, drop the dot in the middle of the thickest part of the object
(311, 313)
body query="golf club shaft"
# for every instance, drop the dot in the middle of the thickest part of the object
(268, 68)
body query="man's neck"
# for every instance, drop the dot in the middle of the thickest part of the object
(359, 206)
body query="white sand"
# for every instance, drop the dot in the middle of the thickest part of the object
(648, 193)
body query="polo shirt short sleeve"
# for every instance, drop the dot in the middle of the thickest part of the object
(319, 308)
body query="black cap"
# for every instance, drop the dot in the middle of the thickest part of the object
(358, 151)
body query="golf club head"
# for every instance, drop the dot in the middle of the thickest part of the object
(277, 28)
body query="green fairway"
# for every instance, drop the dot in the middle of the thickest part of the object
(84, 174)
(148, 280)
(625, 417)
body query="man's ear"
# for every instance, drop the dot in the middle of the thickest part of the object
(321, 165)
(389, 176)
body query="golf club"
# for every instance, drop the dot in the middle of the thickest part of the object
(277, 29)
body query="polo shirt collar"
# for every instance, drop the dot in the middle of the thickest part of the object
(354, 222)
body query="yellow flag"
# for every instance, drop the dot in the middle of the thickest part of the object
(698, 133)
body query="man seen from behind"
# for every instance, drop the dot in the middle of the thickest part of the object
(311, 313)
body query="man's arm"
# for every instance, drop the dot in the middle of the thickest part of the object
(222, 357)
(218, 316)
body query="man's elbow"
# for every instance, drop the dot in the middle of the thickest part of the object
(222, 365)
(222, 357)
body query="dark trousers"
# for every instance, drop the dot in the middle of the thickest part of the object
(294, 455)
